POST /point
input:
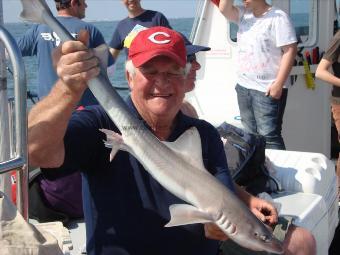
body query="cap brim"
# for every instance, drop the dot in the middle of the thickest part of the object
(192, 48)
(141, 58)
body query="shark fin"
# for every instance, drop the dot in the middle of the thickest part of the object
(114, 141)
(188, 146)
(34, 10)
(102, 52)
(183, 214)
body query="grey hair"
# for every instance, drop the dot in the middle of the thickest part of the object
(131, 69)
(187, 69)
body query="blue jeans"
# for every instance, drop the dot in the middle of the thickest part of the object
(262, 114)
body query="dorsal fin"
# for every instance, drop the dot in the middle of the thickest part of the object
(188, 146)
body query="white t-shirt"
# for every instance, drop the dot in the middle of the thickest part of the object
(259, 40)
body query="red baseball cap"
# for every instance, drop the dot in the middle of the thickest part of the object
(157, 41)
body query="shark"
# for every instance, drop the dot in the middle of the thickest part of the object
(177, 166)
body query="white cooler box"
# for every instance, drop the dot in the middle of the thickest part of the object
(309, 192)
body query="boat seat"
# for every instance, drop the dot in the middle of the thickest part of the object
(309, 192)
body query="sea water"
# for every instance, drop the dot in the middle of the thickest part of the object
(107, 28)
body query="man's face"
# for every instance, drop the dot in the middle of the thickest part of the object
(81, 9)
(132, 5)
(191, 77)
(157, 88)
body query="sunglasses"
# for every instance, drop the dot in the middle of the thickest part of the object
(191, 58)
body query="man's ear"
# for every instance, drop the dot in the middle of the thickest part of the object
(129, 77)
(75, 2)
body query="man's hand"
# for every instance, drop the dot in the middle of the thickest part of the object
(274, 90)
(76, 64)
(263, 210)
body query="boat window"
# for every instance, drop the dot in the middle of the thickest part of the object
(303, 14)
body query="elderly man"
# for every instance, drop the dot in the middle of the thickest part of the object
(125, 207)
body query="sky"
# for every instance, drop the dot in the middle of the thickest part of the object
(111, 9)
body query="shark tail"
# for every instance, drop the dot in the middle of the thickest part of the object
(33, 10)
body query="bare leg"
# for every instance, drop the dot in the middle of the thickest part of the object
(299, 241)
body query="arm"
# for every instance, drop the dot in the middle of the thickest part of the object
(47, 121)
(263, 210)
(114, 53)
(228, 9)
(117, 42)
(323, 73)
(97, 39)
(287, 61)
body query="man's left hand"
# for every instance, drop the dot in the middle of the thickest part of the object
(274, 90)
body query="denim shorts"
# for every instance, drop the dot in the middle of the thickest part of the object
(229, 247)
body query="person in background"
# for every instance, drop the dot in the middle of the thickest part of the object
(138, 19)
(331, 59)
(190, 79)
(131, 219)
(267, 47)
(40, 41)
(57, 195)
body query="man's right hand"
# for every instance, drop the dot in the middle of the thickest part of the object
(76, 64)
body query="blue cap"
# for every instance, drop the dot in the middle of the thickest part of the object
(192, 48)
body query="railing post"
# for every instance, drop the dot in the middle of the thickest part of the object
(16, 156)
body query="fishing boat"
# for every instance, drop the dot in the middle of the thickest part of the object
(305, 172)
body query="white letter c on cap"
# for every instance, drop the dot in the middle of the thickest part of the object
(152, 38)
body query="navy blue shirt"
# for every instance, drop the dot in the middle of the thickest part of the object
(128, 28)
(125, 207)
(40, 40)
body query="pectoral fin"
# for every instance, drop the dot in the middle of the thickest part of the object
(183, 214)
(114, 141)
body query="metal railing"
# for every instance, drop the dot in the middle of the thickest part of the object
(17, 144)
